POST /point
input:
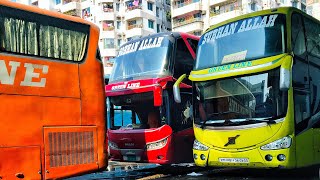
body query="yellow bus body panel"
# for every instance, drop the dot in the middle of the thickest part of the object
(250, 138)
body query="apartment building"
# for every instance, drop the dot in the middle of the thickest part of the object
(195, 16)
(313, 8)
(119, 20)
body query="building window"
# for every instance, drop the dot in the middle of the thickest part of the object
(158, 28)
(118, 24)
(133, 24)
(197, 33)
(119, 42)
(35, 3)
(157, 11)
(294, 4)
(57, 1)
(108, 43)
(107, 26)
(253, 6)
(133, 4)
(150, 6)
(303, 8)
(86, 13)
(107, 7)
(150, 24)
(117, 7)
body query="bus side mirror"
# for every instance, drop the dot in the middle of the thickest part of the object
(284, 79)
(176, 88)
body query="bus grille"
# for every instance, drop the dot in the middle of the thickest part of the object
(71, 148)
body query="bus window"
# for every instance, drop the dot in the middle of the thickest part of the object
(154, 119)
(298, 38)
(124, 117)
(60, 39)
(313, 49)
(183, 60)
(182, 113)
(300, 76)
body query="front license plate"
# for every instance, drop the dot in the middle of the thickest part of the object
(132, 158)
(234, 160)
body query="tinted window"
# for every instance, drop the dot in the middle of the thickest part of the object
(184, 61)
(300, 76)
(33, 34)
(182, 113)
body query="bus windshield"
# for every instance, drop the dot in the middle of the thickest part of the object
(140, 113)
(246, 39)
(147, 57)
(241, 100)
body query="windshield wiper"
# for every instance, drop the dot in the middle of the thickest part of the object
(270, 120)
(204, 122)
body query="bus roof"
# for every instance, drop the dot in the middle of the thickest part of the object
(281, 10)
(40, 11)
(173, 34)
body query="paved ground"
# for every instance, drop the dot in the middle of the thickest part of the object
(188, 171)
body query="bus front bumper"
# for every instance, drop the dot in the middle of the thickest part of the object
(253, 158)
(159, 156)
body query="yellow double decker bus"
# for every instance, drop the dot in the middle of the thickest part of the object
(257, 91)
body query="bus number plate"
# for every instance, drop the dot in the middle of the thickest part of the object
(234, 160)
(132, 158)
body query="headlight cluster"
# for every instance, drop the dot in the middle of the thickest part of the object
(199, 146)
(113, 145)
(282, 143)
(157, 144)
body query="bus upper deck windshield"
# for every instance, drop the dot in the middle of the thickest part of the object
(147, 57)
(242, 40)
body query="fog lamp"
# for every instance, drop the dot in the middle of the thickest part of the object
(269, 157)
(202, 157)
(195, 156)
(281, 157)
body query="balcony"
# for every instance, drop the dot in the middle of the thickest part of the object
(195, 24)
(134, 30)
(216, 2)
(73, 12)
(106, 16)
(107, 34)
(107, 25)
(186, 7)
(108, 52)
(219, 17)
(102, 1)
(70, 5)
(133, 12)
(134, 26)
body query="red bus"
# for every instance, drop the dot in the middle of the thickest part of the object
(145, 124)
(52, 95)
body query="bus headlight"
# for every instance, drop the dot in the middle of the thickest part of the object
(199, 146)
(157, 144)
(113, 145)
(282, 143)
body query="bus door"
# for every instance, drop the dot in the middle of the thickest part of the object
(181, 123)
